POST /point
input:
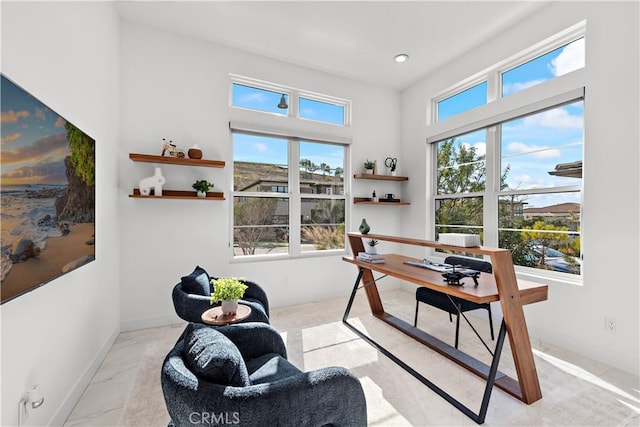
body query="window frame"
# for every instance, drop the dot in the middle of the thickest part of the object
(553, 93)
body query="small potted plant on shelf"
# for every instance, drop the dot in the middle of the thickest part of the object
(371, 247)
(369, 167)
(202, 186)
(228, 290)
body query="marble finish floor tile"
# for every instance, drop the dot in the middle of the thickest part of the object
(576, 391)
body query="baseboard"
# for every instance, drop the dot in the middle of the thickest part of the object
(74, 395)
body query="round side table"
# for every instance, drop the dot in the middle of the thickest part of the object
(214, 316)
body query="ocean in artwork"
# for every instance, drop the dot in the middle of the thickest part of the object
(29, 212)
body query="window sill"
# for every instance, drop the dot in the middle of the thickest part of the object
(548, 277)
(284, 257)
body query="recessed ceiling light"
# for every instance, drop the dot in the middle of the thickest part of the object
(401, 57)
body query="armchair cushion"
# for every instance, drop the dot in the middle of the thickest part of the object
(282, 394)
(198, 282)
(212, 356)
(270, 367)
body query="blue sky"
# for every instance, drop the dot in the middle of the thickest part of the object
(33, 137)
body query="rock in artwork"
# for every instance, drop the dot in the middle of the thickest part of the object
(47, 193)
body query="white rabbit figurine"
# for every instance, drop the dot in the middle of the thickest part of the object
(156, 181)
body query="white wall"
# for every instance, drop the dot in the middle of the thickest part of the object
(179, 88)
(573, 317)
(66, 54)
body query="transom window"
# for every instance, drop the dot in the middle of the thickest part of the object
(255, 98)
(285, 101)
(463, 101)
(558, 56)
(321, 111)
(558, 62)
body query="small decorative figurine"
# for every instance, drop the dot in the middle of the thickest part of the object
(170, 147)
(374, 198)
(156, 182)
(391, 163)
(364, 227)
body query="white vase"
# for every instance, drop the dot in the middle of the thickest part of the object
(229, 306)
(368, 171)
(202, 194)
(371, 250)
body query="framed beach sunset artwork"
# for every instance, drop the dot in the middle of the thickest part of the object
(47, 194)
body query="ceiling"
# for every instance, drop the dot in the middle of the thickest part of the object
(352, 39)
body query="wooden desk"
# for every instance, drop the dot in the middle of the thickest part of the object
(502, 286)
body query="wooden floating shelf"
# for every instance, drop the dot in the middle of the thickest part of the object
(367, 201)
(179, 194)
(380, 177)
(150, 158)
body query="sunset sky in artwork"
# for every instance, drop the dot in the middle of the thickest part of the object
(33, 138)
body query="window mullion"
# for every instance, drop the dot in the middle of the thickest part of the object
(294, 198)
(492, 186)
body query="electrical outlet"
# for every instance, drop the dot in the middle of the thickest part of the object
(610, 324)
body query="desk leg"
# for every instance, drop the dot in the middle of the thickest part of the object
(492, 373)
(369, 282)
(479, 418)
(513, 316)
(353, 295)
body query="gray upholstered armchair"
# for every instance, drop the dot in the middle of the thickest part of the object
(239, 374)
(191, 298)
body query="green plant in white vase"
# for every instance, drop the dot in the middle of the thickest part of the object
(228, 290)
(369, 166)
(202, 186)
(371, 246)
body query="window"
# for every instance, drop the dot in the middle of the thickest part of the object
(460, 184)
(268, 218)
(462, 101)
(553, 64)
(266, 97)
(320, 111)
(513, 174)
(255, 98)
(538, 207)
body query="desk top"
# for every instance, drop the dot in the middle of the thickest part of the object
(486, 291)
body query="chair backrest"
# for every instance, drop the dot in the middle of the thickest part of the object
(472, 263)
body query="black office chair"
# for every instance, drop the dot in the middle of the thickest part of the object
(454, 305)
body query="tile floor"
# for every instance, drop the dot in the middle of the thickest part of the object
(576, 391)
